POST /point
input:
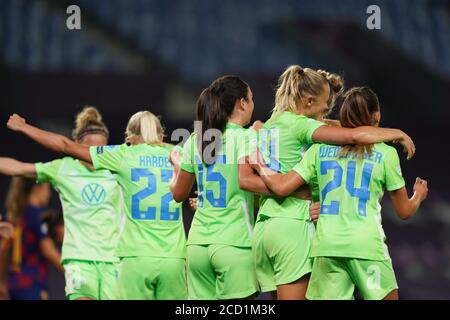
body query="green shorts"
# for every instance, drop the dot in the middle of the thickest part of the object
(335, 278)
(152, 278)
(90, 279)
(218, 271)
(281, 251)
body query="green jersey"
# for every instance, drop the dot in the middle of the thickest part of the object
(225, 212)
(283, 140)
(92, 206)
(350, 192)
(154, 224)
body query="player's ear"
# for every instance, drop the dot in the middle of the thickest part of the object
(309, 101)
(240, 105)
(376, 118)
(243, 103)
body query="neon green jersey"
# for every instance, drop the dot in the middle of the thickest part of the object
(154, 224)
(225, 212)
(283, 141)
(350, 193)
(92, 206)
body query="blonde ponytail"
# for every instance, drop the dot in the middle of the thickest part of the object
(292, 86)
(337, 86)
(144, 127)
(89, 121)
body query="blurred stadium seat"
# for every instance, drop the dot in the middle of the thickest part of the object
(199, 37)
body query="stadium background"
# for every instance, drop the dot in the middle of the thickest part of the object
(158, 55)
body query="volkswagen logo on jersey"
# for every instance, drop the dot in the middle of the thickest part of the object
(93, 194)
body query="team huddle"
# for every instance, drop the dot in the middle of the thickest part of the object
(317, 185)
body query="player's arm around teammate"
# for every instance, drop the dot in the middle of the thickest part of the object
(219, 255)
(302, 98)
(183, 181)
(404, 207)
(285, 184)
(362, 108)
(316, 106)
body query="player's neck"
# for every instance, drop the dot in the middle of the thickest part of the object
(34, 201)
(237, 120)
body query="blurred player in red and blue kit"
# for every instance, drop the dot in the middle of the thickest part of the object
(24, 257)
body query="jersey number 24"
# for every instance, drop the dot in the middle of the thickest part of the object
(363, 193)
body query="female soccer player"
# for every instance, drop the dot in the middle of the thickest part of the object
(219, 256)
(92, 206)
(24, 258)
(336, 90)
(151, 247)
(282, 232)
(349, 246)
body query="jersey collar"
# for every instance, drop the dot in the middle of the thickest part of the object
(231, 125)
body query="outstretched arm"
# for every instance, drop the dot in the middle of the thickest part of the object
(12, 167)
(280, 184)
(49, 140)
(406, 207)
(363, 135)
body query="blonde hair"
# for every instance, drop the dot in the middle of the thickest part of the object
(17, 197)
(144, 126)
(292, 86)
(337, 86)
(89, 121)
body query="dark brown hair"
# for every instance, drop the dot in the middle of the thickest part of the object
(215, 104)
(359, 105)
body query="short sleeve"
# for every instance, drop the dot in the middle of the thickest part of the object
(47, 172)
(108, 157)
(187, 155)
(393, 172)
(43, 230)
(304, 128)
(307, 167)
